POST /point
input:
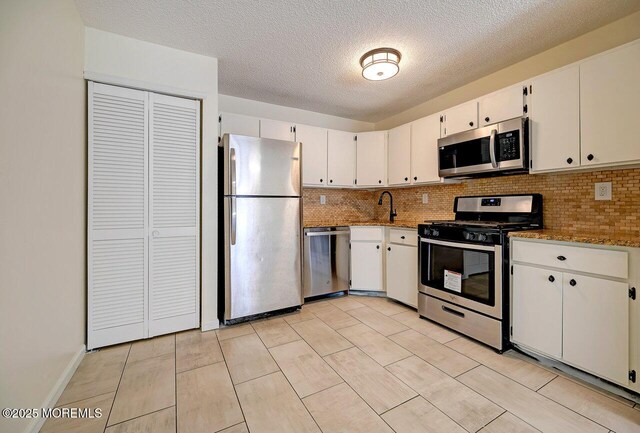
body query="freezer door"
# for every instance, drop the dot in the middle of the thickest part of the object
(261, 167)
(263, 267)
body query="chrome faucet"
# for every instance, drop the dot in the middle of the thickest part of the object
(392, 212)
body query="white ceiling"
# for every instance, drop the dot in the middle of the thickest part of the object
(304, 53)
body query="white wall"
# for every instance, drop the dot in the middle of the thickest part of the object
(42, 202)
(121, 60)
(248, 107)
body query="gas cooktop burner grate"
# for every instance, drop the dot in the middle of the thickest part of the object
(488, 224)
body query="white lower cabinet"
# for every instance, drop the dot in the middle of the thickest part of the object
(595, 325)
(366, 259)
(537, 309)
(582, 320)
(402, 267)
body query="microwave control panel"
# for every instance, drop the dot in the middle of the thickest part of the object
(508, 146)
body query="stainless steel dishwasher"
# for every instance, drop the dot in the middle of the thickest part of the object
(326, 260)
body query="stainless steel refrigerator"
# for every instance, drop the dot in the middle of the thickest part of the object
(262, 207)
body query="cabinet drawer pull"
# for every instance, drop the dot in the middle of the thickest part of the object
(552, 278)
(562, 258)
(573, 282)
(451, 311)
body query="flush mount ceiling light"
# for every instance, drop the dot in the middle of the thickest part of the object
(380, 64)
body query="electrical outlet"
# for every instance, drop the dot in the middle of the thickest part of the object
(323, 199)
(425, 198)
(603, 190)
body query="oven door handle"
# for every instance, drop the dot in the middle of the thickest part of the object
(458, 245)
(492, 148)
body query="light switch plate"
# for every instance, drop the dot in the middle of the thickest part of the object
(323, 199)
(425, 198)
(603, 191)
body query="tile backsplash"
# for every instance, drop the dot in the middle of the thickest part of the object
(568, 200)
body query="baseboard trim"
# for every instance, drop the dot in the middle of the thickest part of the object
(210, 325)
(57, 389)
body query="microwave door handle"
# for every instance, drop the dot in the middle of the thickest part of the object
(492, 148)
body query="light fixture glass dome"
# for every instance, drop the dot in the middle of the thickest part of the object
(380, 64)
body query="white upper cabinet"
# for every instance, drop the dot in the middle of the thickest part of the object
(371, 158)
(238, 124)
(460, 118)
(502, 105)
(314, 154)
(609, 106)
(425, 133)
(399, 155)
(341, 158)
(277, 130)
(555, 120)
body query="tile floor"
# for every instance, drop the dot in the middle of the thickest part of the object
(349, 364)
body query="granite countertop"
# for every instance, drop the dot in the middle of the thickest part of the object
(398, 224)
(622, 240)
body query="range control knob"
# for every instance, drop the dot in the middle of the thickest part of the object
(435, 233)
(482, 237)
(470, 236)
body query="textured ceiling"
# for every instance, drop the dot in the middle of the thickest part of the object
(305, 54)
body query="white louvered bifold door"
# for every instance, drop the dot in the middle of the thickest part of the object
(174, 194)
(117, 215)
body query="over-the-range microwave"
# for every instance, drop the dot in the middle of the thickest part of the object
(501, 148)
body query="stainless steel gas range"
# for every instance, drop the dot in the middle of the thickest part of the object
(464, 264)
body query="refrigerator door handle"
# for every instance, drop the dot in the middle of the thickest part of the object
(233, 220)
(232, 169)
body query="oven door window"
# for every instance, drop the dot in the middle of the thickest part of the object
(461, 271)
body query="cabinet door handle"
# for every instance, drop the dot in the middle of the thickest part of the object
(330, 180)
(388, 248)
(573, 282)
(401, 237)
(379, 181)
(406, 179)
(415, 177)
(562, 258)
(552, 278)
(377, 247)
(569, 160)
(590, 157)
(320, 180)
(470, 123)
(486, 119)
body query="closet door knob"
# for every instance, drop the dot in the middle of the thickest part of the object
(155, 233)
